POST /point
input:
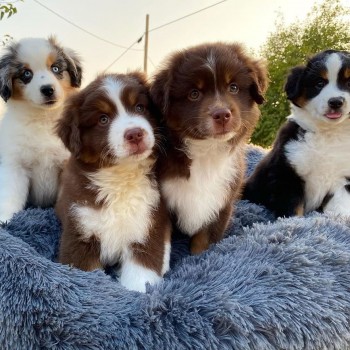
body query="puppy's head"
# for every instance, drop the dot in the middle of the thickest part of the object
(210, 91)
(109, 121)
(39, 71)
(321, 88)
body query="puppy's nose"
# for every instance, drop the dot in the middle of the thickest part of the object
(336, 102)
(47, 90)
(222, 115)
(134, 135)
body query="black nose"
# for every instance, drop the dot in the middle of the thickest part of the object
(47, 90)
(336, 102)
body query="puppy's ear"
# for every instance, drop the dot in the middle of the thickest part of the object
(7, 70)
(160, 90)
(73, 61)
(261, 81)
(293, 85)
(74, 67)
(67, 127)
(140, 77)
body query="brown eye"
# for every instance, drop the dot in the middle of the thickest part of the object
(139, 108)
(320, 84)
(194, 95)
(104, 119)
(233, 88)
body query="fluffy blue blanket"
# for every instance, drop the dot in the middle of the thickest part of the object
(269, 284)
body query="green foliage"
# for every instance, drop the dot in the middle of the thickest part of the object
(8, 9)
(326, 27)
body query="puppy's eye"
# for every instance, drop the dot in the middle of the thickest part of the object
(26, 75)
(233, 88)
(55, 69)
(320, 84)
(139, 108)
(194, 95)
(104, 119)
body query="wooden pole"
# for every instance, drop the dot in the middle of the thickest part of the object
(146, 45)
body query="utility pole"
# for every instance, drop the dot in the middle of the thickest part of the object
(146, 45)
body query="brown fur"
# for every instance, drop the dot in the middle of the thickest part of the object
(87, 140)
(209, 70)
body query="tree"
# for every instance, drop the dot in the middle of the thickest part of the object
(325, 27)
(7, 8)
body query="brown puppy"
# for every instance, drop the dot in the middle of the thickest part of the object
(109, 204)
(208, 95)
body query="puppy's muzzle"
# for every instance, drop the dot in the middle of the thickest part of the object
(48, 91)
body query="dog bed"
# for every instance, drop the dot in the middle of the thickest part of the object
(270, 284)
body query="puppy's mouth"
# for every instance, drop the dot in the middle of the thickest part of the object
(333, 114)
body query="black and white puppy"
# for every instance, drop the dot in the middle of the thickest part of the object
(36, 76)
(308, 167)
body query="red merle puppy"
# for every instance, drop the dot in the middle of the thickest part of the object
(209, 96)
(109, 204)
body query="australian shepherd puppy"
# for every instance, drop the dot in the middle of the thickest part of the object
(109, 204)
(209, 96)
(36, 75)
(308, 167)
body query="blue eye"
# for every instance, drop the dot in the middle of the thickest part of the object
(26, 76)
(55, 69)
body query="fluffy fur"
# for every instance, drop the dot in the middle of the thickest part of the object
(209, 96)
(109, 205)
(36, 75)
(307, 168)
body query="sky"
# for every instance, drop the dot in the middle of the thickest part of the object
(105, 24)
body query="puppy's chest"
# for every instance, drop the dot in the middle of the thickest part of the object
(124, 214)
(322, 160)
(197, 200)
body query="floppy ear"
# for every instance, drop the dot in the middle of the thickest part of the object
(74, 67)
(261, 81)
(7, 70)
(67, 127)
(293, 84)
(72, 59)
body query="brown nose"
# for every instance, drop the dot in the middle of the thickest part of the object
(221, 115)
(134, 135)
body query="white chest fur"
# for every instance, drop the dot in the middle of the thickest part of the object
(198, 200)
(125, 217)
(322, 160)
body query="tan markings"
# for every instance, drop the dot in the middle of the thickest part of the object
(17, 91)
(324, 74)
(299, 210)
(199, 242)
(347, 73)
(66, 84)
(200, 84)
(51, 59)
(301, 101)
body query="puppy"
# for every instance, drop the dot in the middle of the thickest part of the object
(36, 75)
(109, 204)
(307, 168)
(209, 96)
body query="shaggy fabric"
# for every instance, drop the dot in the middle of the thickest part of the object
(269, 284)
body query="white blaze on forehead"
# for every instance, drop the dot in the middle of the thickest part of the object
(124, 120)
(34, 52)
(114, 90)
(333, 65)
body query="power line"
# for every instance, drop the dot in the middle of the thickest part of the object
(84, 30)
(161, 26)
(190, 14)
(124, 52)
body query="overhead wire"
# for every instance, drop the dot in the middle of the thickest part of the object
(83, 29)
